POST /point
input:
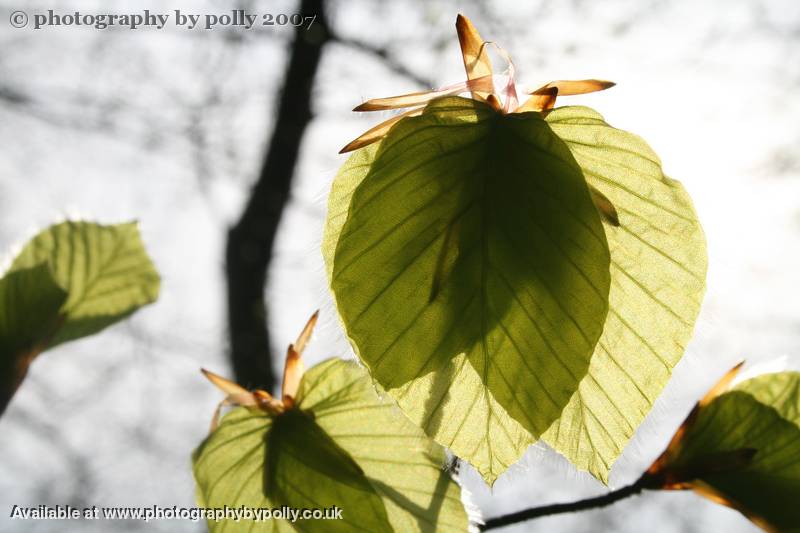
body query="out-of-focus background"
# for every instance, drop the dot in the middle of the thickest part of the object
(173, 126)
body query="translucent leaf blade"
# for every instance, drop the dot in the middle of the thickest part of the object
(658, 266)
(781, 391)
(306, 468)
(347, 447)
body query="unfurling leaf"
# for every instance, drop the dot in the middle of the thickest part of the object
(573, 87)
(71, 280)
(480, 85)
(741, 447)
(514, 272)
(474, 54)
(337, 444)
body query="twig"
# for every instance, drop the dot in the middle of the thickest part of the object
(385, 56)
(558, 508)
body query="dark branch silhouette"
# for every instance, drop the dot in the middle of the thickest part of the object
(250, 241)
(558, 508)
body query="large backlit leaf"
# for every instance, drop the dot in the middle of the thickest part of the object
(104, 269)
(343, 446)
(471, 272)
(761, 415)
(658, 266)
(30, 301)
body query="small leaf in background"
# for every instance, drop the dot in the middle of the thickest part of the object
(336, 443)
(741, 447)
(658, 269)
(104, 269)
(71, 280)
(30, 301)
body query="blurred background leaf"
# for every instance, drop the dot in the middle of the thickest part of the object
(70, 281)
(104, 269)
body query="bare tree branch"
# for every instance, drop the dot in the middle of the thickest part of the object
(250, 241)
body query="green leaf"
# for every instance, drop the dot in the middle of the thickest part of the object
(471, 273)
(307, 468)
(71, 280)
(658, 267)
(781, 391)
(30, 301)
(342, 446)
(104, 269)
(761, 414)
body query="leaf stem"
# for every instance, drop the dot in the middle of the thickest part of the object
(14, 370)
(558, 508)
